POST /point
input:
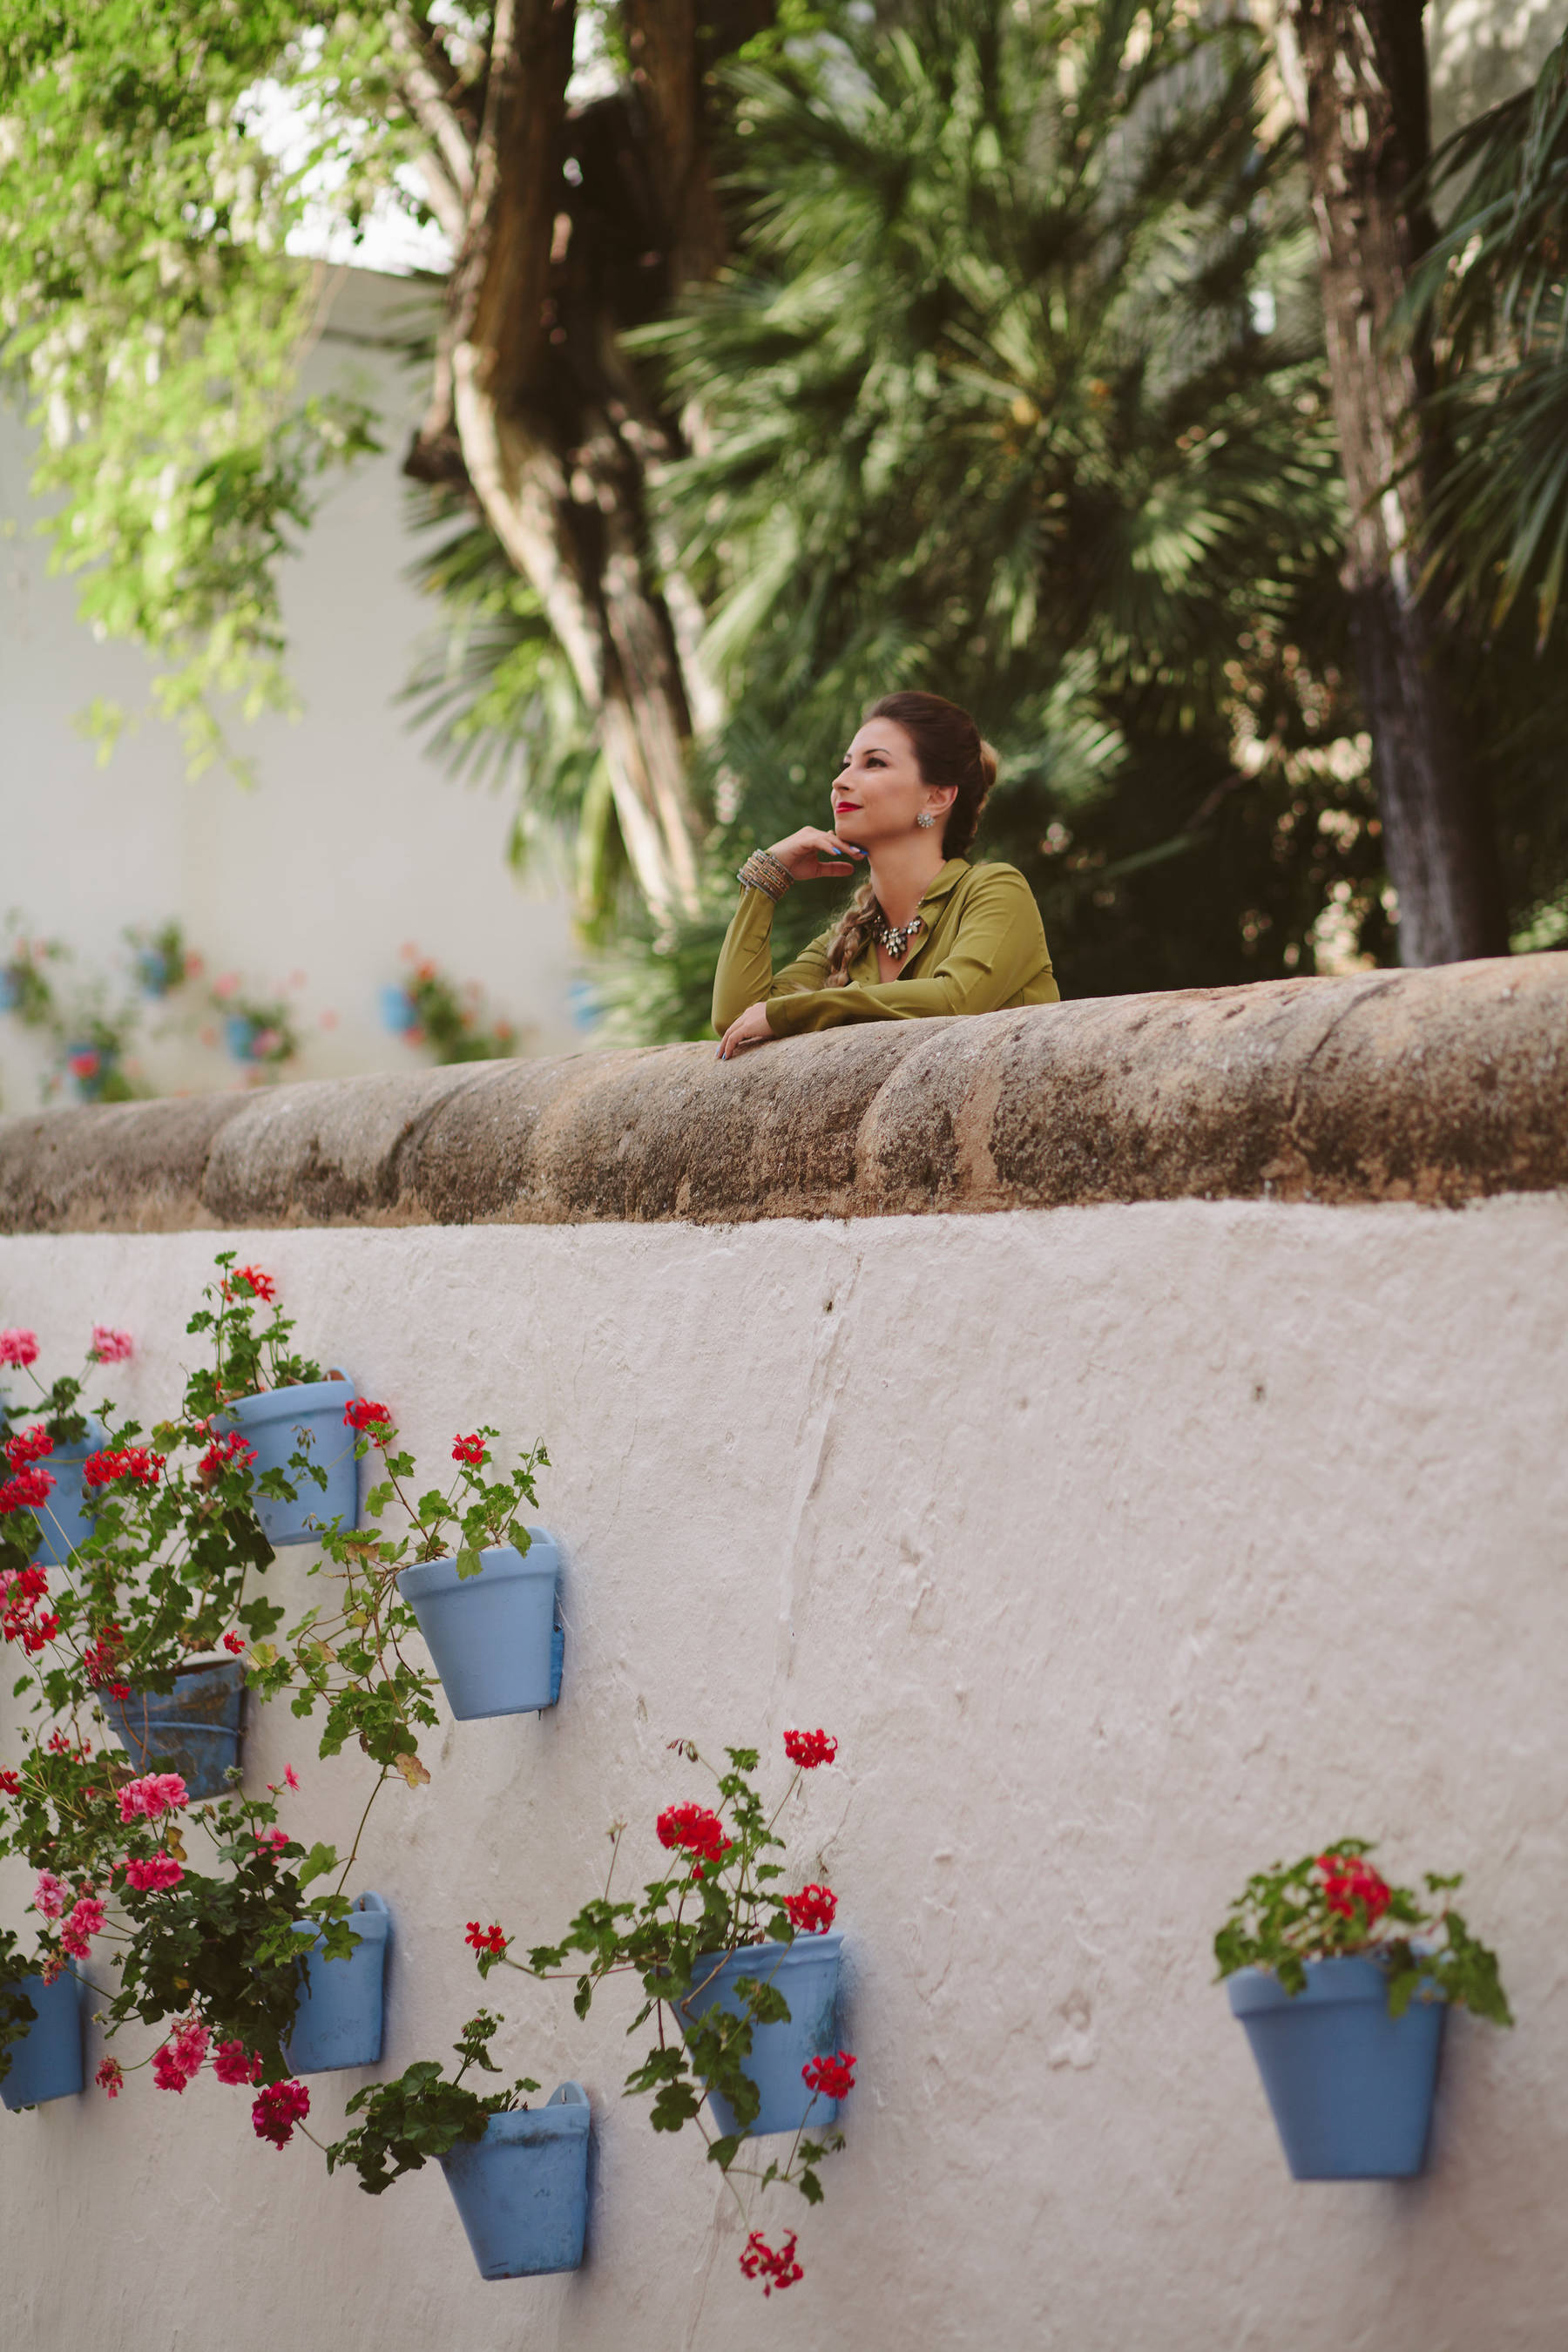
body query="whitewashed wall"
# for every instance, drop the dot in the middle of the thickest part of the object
(352, 842)
(1125, 1550)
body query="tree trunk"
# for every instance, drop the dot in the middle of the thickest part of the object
(533, 406)
(1356, 71)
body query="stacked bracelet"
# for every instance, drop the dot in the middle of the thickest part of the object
(762, 871)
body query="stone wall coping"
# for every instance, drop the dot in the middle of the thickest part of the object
(1437, 1086)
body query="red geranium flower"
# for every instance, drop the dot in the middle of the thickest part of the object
(28, 1445)
(256, 1284)
(831, 2078)
(1347, 1881)
(486, 1939)
(692, 1829)
(275, 2114)
(137, 1462)
(234, 1643)
(364, 1415)
(811, 1911)
(809, 1749)
(29, 1490)
(470, 1450)
(222, 1455)
(760, 2260)
(21, 1620)
(101, 1657)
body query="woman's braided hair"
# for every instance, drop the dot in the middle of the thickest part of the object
(948, 749)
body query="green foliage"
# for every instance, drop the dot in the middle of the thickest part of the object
(348, 1656)
(1332, 1905)
(247, 1358)
(987, 409)
(425, 2114)
(1494, 290)
(16, 2011)
(450, 1020)
(145, 293)
(224, 1943)
(674, 1940)
(497, 701)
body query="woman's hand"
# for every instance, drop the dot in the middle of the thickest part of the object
(750, 1029)
(810, 855)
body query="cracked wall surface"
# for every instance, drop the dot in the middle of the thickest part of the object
(1125, 1548)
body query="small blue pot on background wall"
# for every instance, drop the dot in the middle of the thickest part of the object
(308, 1419)
(192, 1731)
(66, 1519)
(1350, 2087)
(522, 2192)
(807, 1973)
(339, 2020)
(46, 2063)
(494, 1638)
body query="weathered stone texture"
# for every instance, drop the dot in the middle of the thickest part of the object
(1437, 1086)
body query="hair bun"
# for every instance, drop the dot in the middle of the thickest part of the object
(988, 763)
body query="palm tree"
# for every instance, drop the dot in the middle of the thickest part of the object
(988, 406)
(1494, 294)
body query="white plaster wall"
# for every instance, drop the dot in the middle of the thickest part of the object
(1125, 1550)
(352, 841)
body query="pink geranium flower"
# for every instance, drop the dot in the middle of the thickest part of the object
(19, 1348)
(233, 2062)
(110, 2077)
(109, 1346)
(159, 1872)
(179, 2061)
(85, 1922)
(50, 1895)
(154, 1793)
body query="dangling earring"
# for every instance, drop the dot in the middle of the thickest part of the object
(925, 820)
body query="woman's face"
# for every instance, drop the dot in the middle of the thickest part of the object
(877, 793)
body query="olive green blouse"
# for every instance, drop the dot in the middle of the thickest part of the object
(984, 949)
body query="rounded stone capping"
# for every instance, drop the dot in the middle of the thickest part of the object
(1437, 1086)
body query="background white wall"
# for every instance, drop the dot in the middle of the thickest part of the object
(1125, 1550)
(352, 842)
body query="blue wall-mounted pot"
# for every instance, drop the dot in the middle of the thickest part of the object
(522, 2192)
(1350, 2087)
(46, 2063)
(192, 1729)
(493, 1637)
(308, 1419)
(66, 1521)
(807, 1973)
(338, 2023)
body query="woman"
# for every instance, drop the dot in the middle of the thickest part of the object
(926, 933)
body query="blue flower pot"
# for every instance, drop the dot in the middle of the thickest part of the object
(807, 1973)
(66, 1519)
(46, 2063)
(398, 1011)
(1350, 2087)
(338, 2023)
(192, 1729)
(522, 2192)
(304, 1420)
(493, 1637)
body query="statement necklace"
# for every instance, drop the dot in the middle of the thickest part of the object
(894, 937)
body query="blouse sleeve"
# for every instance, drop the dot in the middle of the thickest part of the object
(999, 950)
(745, 974)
